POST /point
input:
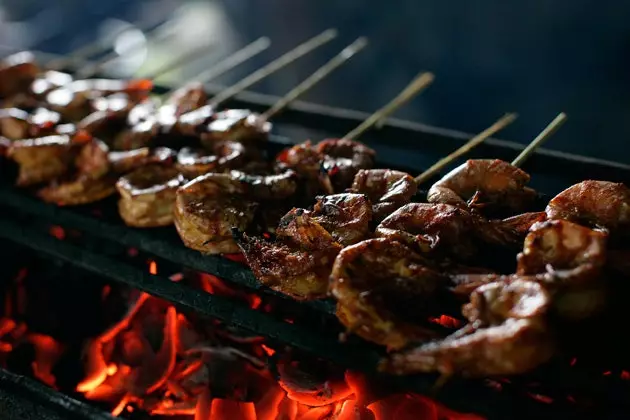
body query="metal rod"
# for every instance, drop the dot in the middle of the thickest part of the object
(540, 139)
(90, 49)
(317, 76)
(417, 85)
(275, 65)
(503, 122)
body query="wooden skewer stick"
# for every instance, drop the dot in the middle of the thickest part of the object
(227, 63)
(317, 76)
(91, 69)
(233, 60)
(93, 48)
(421, 82)
(540, 139)
(500, 124)
(274, 66)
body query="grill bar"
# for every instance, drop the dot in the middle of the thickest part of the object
(191, 299)
(161, 243)
(460, 395)
(22, 398)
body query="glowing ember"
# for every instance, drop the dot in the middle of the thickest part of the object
(268, 350)
(157, 360)
(446, 321)
(58, 232)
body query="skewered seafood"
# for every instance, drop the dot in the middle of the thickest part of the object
(566, 259)
(600, 204)
(224, 155)
(238, 125)
(574, 257)
(95, 173)
(74, 100)
(384, 291)
(508, 334)
(298, 262)
(345, 216)
(388, 190)
(17, 72)
(17, 124)
(304, 159)
(147, 195)
(481, 183)
(45, 158)
(343, 158)
(444, 230)
(208, 207)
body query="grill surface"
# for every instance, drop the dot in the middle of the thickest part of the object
(421, 146)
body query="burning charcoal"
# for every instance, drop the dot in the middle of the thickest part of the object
(314, 383)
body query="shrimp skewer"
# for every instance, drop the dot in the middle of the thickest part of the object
(477, 184)
(507, 334)
(222, 156)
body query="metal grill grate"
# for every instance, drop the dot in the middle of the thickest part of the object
(424, 142)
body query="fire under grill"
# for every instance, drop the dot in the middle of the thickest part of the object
(93, 242)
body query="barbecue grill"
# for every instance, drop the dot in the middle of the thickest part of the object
(404, 145)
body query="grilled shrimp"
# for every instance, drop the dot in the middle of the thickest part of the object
(346, 216)
(566, 259)
(147, 195)
(508, 334)
(385, 291)
(48, 81)
(599, 204)
(307, 161)
(207, 208)
(450, 231)
(17, 124)
(239, 125)
(483, 182)
(388, 190)
(343, 158)
(74, 101)
(298, 262)
(224, 155)
(96, 170)
(571, 260)
(17, 72)
(187, 98)
(45, 158)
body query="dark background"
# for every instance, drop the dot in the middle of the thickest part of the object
(535, 57)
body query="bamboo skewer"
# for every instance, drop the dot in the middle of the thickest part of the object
(274, 66)
(91, 69)
(421, 82)
(316, 77)
(233, 60)
(227, 63)
(88, 50)
(500, 124)
(540, 139)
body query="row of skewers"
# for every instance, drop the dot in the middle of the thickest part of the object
(318, 220)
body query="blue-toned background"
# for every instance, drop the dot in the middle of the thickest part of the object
(536, 57)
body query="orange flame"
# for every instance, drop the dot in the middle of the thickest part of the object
(268, 350)
(96, 368)
(222, 409)
(153, 267)
(168, 351)
(268, 406)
